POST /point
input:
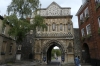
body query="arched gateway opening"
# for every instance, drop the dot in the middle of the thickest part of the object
(85, 53)
(48, 49)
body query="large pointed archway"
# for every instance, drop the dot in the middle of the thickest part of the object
(48, 48)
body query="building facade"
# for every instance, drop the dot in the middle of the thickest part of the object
(59, 33)
(89, 28)
(7, 44)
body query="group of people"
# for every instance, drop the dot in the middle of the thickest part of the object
(77, 61)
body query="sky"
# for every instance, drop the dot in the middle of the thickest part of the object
(74, 4)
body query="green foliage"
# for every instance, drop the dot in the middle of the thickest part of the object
(83, 38)
(19, 27)
(97, 6)
(88, 36)
(23, 8)
(57, 51)
(38, 22)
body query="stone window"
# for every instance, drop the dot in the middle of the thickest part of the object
(61, 27)
(99, 21)
(53, 26)
(88, 29)
(10, 48)
(3, 29)
(82, 32)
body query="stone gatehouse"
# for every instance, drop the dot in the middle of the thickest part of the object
(59, 33)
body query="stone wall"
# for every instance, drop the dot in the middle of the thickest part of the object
(77, 44)
(7, 45)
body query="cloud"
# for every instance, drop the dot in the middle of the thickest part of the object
(74, 4)
(3, 6)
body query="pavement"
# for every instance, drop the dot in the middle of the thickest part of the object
(30, 63)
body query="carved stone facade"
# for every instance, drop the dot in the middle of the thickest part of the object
(59, 33)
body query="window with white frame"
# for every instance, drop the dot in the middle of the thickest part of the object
(87, 12)
(88, 29)
(82, 32)
(19, 47)
(99, 21)
(81, 16)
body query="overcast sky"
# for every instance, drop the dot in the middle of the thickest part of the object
(74, 4)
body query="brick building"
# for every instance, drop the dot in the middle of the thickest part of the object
(89, 28)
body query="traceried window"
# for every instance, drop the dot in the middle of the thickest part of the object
(86, 12)
(53, 26)
(61, 27)
(88, 29)
(82, 32)
(99, 21)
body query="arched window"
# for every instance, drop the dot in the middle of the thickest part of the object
(53, 26)
(61, 27)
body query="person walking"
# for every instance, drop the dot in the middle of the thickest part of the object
(76, 61)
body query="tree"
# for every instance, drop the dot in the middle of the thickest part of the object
(19, 27)
(18, 11)
(23, 8)
(39, 22)
(57, 51)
